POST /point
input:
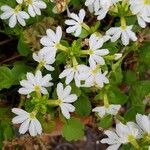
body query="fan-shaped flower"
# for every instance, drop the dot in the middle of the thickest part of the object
(66, 99)
(73, 73)
(140, 6)
(52, 40)
(35, 83)
(126, 34)
(45, 58)
(93, 77)
(95, 43)
(123, 134)
(28, 121)
(14, 15)
(103, 110)
(75, 23)
(35, 6)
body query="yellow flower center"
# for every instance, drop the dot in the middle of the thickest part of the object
(37, 88)
(32, 115)
(90, 52)
(123, 23)
(147, 2)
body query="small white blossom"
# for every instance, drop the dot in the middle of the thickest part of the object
(14, 15)
(94, 77)
(75, 23)
(73, 73)
(125, 33)
(124, 134)
(66, 99)
(104, 8)
(140, 6)
(103, 110)
(144, 123)
(52, 40)
(95, 43)
(35, 6)
(35, 83)
(28, 121)
(45, 58)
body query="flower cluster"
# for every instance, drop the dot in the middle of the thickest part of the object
(128, 133)
(19, 15)
(88, 65)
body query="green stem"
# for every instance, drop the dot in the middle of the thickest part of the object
(61, 47)
(84, 52)
(53, 102)
(106, 102)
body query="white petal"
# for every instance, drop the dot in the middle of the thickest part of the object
(66, 91)
(6, 15)
(24, 127)
(32, 129)
(19, 119)
(12, 21)
(19, 111)
(125, 38)
(81, 15)
(31, 11)
(71, 98)
(60, 90)
(37, 126)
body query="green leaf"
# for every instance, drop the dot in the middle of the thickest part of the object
(6, 78)
(116, 76)
(22, 47)
(84, 33)
(73, 130)
(115, 96)
(75, 90)
(83, 106)
(132, 112)
(144, 54)
(8, 132)
(19, 71)
(129, 77)
(106, 122)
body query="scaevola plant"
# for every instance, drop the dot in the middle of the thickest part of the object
(77, 68)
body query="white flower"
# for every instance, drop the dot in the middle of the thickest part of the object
(66, 99)
(93, 5)
(52, 40)
(104, 8)
(94, 77)
(28, 121)
(142, 20)
(111, 109)
(45, 58)
(95, 43)
(126, 34)
(14, 15)
(144, 123)
(75, 23)
(73, 73)
(35, 6)
(124, 134)
(140, 6)
(35, 83)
